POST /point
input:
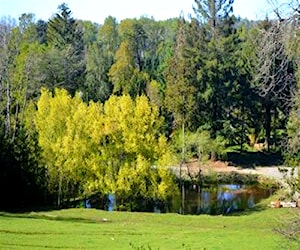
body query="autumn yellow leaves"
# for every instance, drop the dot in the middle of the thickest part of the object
(112, 148)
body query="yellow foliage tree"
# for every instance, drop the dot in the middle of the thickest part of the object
(116, 148)
(67, 136)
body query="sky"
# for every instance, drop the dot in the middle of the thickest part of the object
(97, 10)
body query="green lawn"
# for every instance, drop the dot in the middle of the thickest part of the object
(96, 229)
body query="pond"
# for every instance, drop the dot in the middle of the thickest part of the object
(213, 199)
(219, 199)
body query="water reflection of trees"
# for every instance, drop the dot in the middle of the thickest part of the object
(221, 199)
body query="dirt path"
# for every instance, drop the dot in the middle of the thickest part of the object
(269, 172)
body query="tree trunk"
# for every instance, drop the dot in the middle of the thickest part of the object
(7, 127)
(242, 128)
(215, 116)
(268, 125)
(59, 190)
(180, 170)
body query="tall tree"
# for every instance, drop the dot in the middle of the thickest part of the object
(100, 57)
(66, 41)
(128, 73)
(213, 12)
(180, 96)
(242, 121)
(20, 58)
(217, 76)
(275, 78)
(19, 155)
(7, 53)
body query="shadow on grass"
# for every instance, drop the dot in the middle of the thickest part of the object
(53, 217)
(248, 211)
(33, 246)
(20, 209)
(254, 159)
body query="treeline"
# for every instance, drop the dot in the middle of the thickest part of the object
(88, 108)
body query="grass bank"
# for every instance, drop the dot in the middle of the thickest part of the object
(96, 229)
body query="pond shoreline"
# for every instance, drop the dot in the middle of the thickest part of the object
(221, 172)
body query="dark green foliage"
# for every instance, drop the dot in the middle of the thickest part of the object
(254, 159)
(181, 76)
(22, 177)
(63, 30)
(99, 59)
(65, 62)
(41, 30)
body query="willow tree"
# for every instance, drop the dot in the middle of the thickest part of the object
(133, 155)
(66, 139)
(115, 149)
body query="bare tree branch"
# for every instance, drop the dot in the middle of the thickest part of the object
(274, 76)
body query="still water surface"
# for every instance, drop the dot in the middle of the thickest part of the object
(214, 200)
(220, 199)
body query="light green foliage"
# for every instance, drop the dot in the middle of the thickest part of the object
(20, 55)
(155, 93)
(134, 150)
(65, 137)
(122, 70)
(128, 73)
(25, 74)
(89, 31)
(293, 129)
(293, 147)
(198, 144)
(97, 85)
(115, 149)
(140, 56)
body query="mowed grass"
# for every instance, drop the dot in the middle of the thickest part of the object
(96, 229)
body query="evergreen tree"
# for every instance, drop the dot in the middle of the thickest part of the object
(64, 64)
(181, 78)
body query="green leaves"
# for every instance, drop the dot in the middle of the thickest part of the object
(293, 130)
(65, 137)
(180, 95)
(109, 149)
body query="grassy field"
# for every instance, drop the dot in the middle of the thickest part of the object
(96, 229)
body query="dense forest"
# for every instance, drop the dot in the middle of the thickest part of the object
(90, 108)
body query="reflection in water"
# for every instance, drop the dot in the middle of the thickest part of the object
(221, 199)
(111, 202)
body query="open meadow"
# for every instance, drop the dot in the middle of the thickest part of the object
(97, 229)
